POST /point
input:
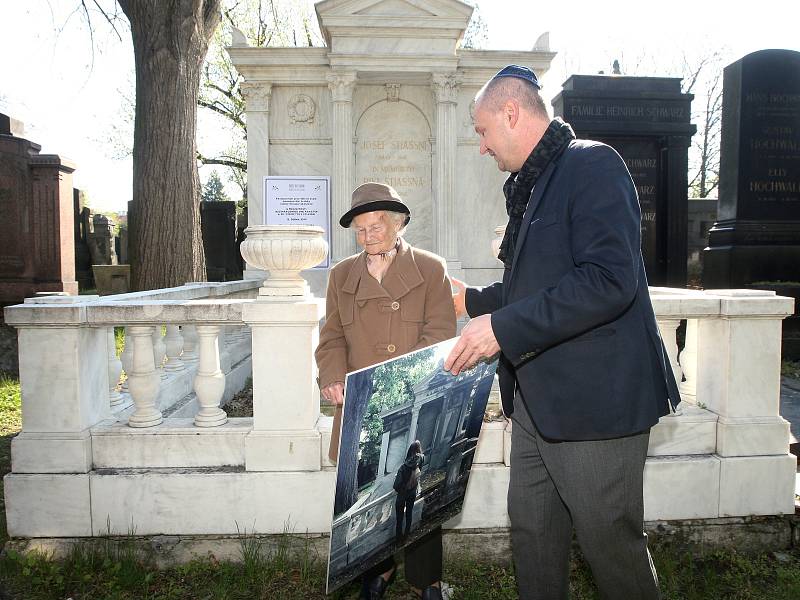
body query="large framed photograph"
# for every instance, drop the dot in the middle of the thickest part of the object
(390, 490)
(299, 201)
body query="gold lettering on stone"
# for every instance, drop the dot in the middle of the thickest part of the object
(394, 147)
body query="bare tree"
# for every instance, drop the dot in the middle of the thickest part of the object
(170, 42)
(704, 79)
(701, 75)
(476, 34)
(264, 23)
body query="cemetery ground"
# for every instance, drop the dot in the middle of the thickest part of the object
(119, 568)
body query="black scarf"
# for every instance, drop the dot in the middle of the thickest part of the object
(518, 186)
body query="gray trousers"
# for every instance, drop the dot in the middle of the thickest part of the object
(594, 487)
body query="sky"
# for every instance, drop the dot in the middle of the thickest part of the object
(71, 93)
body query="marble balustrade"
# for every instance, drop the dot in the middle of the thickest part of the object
(125, 454)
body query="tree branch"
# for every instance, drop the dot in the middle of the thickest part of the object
(225, 113)
(229, 161)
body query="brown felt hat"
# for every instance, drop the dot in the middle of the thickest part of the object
(374, 196)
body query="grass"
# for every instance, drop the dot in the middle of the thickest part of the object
(117, 569)
(10, 423)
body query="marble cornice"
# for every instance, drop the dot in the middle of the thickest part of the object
(383, 23)
(53, 160)
(394, 62)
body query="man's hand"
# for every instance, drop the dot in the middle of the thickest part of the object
(459, 297)
(334, 393)
(477, 341)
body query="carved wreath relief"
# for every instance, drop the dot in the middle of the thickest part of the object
(302, 109)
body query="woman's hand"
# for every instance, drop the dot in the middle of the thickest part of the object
(459, 297)
(334, 393)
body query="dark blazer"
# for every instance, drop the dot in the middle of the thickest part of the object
(573, 317)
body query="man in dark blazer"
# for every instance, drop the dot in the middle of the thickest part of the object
(582, 369)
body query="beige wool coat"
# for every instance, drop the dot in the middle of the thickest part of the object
(367, 322)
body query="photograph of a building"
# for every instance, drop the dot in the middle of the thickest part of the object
(388, 407)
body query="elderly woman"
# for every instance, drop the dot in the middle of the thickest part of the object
(386, 301)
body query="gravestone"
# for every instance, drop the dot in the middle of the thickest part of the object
(218, 223)
(37, 231)
(83, 228)
(757, 233)
(101, 241)
(756, 239)
(646, 120)
(122, 245)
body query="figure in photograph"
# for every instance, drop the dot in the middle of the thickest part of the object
(583, 371)
(388, 300)
(406, 484)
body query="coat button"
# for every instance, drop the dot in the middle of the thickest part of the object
(391, 348)
(395, 305)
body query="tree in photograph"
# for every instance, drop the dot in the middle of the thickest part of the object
(170, 42)
(371, 392)
(393, 383)
(359, 392)
(214, 190)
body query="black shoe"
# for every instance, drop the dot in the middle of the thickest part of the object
(432, 593)
(375, 588)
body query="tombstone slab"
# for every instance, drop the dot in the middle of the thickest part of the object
(757, 233)
(646, 120)
(37, 246)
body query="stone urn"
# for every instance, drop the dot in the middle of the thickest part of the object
(284, 251)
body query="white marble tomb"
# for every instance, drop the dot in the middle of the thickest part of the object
(389, 100)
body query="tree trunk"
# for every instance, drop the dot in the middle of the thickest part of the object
(359, 391)
(170, 41)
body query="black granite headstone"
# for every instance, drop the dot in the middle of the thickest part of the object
(83, 260)
(218, 222)
(755, 242)
(646, 120)
(757, 233)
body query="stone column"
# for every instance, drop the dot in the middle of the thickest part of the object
(285, 394)
(51, 222)
(285, 436)
(257, 97)
(63, 372)
(445, 93)
(343, 167)
(738, 378)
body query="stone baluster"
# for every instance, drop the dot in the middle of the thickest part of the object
(209, 383)
(126, 358)
(445, 91)
(341, 86)
(189, 355)
(257, 99)
(688, 360)
(143, 380)
(174, 347)
(159, 351)
(668, 329)
(114, 371)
